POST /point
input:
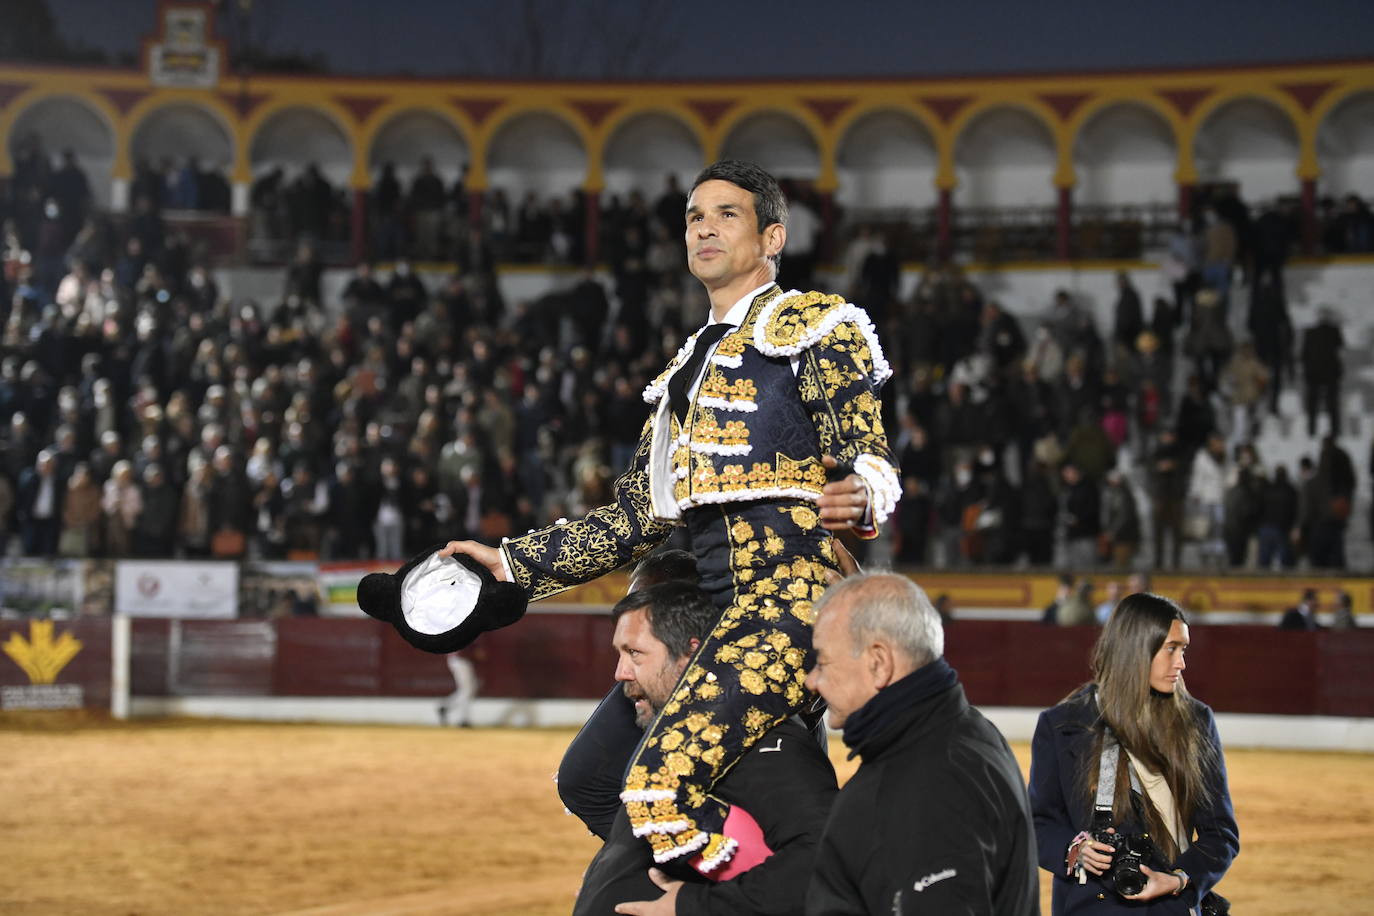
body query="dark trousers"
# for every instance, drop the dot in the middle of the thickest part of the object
(39, 536)
(1323, 396)
(593, 768)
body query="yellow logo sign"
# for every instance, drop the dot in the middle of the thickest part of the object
(41, 656)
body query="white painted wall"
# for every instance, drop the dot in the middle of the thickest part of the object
(1345, 149)
(177, 131)
(886, 160)
(539, 153)
(775, 142)
(645, 150)
(295, 137)
(1252, 143)
(409, 136)
(1125, 155)
(1005, 158)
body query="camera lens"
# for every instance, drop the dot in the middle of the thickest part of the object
(1129, 880)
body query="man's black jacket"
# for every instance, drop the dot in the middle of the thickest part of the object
(787, 784)
(935, 821)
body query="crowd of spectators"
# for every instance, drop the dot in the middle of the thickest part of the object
(143, 412)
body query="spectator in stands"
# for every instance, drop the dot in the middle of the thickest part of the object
(426, 205)
(1303, 615)
(1209, 338)
(1105, 607)
(1129, 314)
(1322, 370)
(231, 509)
(1197, 419)
(1353, 228)
(81, 515)
(1274, 234)
(1278, 521)
(1243, 511)
(122, 502)
(1343, 614)
(388, 520)
(1079, 609)
(1169, 478)
(1244, 381)
(1039, 513)
(269, 519)
(1220, 249)
(1207, 497)
(1330, 499)
(348, 534)
(1081, 514)
(303, 275)
(1271, 329)
(72, 191)
(406, 295)
(1062, 593)
(38, 504)
(1001, 338)
(1120, 521)
(1183, 268)
(388, 226)
(155, 529)
(193, 521)
(958, 504)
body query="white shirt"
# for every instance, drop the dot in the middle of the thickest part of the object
(735, 316)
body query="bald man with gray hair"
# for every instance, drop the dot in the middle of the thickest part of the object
(936, 820)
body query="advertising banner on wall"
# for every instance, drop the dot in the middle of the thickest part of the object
(339, 586)
(176, 588)
(55, 664)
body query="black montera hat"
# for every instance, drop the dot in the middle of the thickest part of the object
(441, 604)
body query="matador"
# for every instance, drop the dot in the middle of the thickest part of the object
(764, 437)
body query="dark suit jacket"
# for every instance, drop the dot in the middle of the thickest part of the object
(1063, 741)
(787, 784)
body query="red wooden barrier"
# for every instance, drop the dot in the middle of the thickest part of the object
(1245, 669)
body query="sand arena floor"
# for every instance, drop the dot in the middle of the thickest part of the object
(187, 817)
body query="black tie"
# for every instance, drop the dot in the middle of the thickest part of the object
(682, 379)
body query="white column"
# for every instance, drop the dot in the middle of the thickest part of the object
(119, 195)
(119, 666)
(239, 203)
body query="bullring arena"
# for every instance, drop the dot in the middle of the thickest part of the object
(173, 811)
(248, 300)
(193, 816)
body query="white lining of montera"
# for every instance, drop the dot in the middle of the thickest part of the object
(439, 594)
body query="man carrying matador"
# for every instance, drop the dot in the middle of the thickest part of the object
(764, 437)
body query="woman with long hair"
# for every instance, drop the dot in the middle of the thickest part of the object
(1167, 801)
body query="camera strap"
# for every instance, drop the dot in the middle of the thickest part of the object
(1106, 776)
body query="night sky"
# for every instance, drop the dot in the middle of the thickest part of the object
(715, 40)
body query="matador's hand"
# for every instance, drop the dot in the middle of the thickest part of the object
(843, 503)
(489, 557)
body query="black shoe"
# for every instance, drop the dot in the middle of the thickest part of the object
(443, 716)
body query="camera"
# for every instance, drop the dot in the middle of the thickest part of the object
(1132, 849)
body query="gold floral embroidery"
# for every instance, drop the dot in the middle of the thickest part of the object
(732, 345)
(794, 318)
(716, 385)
